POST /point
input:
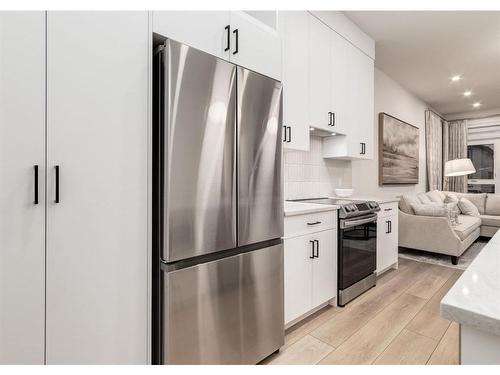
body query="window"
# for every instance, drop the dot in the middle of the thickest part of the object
(482, 157)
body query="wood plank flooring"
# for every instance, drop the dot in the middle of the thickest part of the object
(397, 322)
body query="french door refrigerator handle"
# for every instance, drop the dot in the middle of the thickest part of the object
(56, 200)
(228, 36)
(312, 242)
(35, 169)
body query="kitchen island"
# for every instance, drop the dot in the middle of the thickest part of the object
(474, 302)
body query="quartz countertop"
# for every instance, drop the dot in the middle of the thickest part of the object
(300, 208)
(474, 300)
(379, 200)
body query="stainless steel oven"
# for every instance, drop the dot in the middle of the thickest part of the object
(357, 256)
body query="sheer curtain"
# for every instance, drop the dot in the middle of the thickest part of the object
(455, 147)
(434, 150)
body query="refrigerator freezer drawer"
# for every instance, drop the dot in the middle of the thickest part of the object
(229, 311)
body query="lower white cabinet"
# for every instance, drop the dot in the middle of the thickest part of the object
(310, 269)
(387, 237)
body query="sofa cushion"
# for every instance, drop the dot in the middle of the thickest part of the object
(406, 201)
(435, 196)
(467, 207)
(479, 200)
(492, 204)
(490, 220)
(424, 198)
(431, 209)
(467, 225)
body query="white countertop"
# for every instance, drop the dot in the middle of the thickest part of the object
(299, 208)
(474, 300)
(364, 198)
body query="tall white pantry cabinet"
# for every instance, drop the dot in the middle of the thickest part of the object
(74, 187)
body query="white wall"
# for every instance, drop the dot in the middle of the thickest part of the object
(309, 175)
(393, 99)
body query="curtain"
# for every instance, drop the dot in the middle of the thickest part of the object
(434, 150)
(455, 147)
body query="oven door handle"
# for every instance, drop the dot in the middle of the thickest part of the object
(353, 223)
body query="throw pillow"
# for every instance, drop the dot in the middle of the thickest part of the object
(453, 211)
(424, 199)
(467, 207)
(435, 196)
(432, 209)
(452, 201)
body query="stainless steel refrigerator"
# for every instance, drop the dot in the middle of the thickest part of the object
(218, 210)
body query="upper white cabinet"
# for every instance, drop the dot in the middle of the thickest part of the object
(234, 36)
(255, 45)
(320, 75)
(293, 26)
(207, 31)
(97, 229)
(22, 187)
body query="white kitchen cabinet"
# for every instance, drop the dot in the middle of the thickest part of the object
(341, 84)
(255, 45)
(97, 234)
(354, 139)
(319, 74)
(231, 35)
(293, 26)
(387, 237)
(208, 31)
(22, 222)
(310, 264)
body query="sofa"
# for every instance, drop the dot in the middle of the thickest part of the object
(437, 234)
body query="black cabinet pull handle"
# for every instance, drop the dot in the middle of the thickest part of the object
(329, 118)
(35, 169)
(284, 133)
(333, 118)
(363, 148)
(236, 39)
(390, 226)
(387, 209)
(289, 134)
(57, 184)
(314, 223)
(228, 36)
(312, 249)
(317, 248)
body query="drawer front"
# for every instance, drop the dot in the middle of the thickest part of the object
(388, 209)
(304, 224)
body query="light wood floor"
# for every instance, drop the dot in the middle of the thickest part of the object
(397, 322)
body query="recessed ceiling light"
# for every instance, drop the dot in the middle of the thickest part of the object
(476, 105)
(311, 129)
(467, 93)
(455, 78)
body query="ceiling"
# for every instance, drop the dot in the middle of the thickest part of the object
(423, 49)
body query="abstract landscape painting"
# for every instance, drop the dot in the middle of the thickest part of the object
(398, 151)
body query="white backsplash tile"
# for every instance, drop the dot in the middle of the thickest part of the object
(309, 175)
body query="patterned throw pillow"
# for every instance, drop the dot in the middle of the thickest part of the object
(453, 211)
(467, 207)
(452, 200)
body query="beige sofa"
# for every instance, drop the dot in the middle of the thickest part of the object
(436, 234)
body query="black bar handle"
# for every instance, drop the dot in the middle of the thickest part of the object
(289, 134)
(390, 226)
(228, 36)
(387, 209)
(235, 32)
(314, 223)
(387, 227)
(35, 168)
(284, 133)
(317, 248)
(329, 118)
(363, 148)
(312, 249)
(57, 184)
(333, 118)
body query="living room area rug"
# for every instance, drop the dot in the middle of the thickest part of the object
(444, 260)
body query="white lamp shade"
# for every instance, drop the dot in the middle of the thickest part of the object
(458, 167)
